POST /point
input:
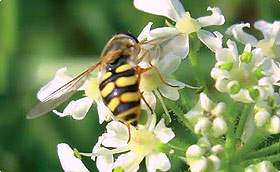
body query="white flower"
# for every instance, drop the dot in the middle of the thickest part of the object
(185, 25)
(157, 80)
(140, 146)
(202, 157)
(77, 108)
(264, 166)
(270, 44)
(68, 161)
(207, 117)
(247, 77)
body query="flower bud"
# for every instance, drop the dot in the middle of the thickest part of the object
(215, 163)
(217, 150)
(261, 118)
(204, 143)
(194, 151)
(274, 125)
(264, 166)
(219, 127)
(198, 165)
(202, 126)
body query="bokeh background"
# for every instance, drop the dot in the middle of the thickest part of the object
(37, 37)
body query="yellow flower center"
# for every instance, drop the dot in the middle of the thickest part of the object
(142, 142)
(188, 25)
(150, 81)
(92, 89)
(269, 47)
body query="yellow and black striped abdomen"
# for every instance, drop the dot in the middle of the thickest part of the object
(119, 90)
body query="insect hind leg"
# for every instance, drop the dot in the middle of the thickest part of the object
(145, 101)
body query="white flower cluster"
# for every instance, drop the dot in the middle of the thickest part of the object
(248, 77)
(207, 117)
(203, 157)
(142, 145)
(267, 114)
(115, 141)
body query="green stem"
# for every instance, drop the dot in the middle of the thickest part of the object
(242, 122)
(194, 48)
(185, 99)
(254, 141)
(179, 113)
(230, 137)
(265, 151)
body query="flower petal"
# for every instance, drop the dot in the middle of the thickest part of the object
(237, 31)
(172, 9)
(168, 64)
(128, 161)
(269, 30)
(81, 108)
(213, 42)
(218, 73)
(151, 100)
(178, 46)
(116, 135)
(68, 161)
(104, 112)
(242, 96)
(59, 80)
(216, 18)
(171, 92)
(76, 108)
(157, 160)
(145, 32)
(171, 42)
(205, 102)
(105, 163)
(163, 133)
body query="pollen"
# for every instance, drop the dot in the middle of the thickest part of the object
(142, 142)
(187, 24)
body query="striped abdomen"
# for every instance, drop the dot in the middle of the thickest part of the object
(119, 90)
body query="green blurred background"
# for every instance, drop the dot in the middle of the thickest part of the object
(37, 37)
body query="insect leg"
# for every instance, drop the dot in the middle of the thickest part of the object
(142, 97)
(159, 75)
(138, 71)
(129, 131)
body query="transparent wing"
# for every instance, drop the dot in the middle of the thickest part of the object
(60, 95)
(157, 45)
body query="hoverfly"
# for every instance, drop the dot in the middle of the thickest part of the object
(119, 85)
